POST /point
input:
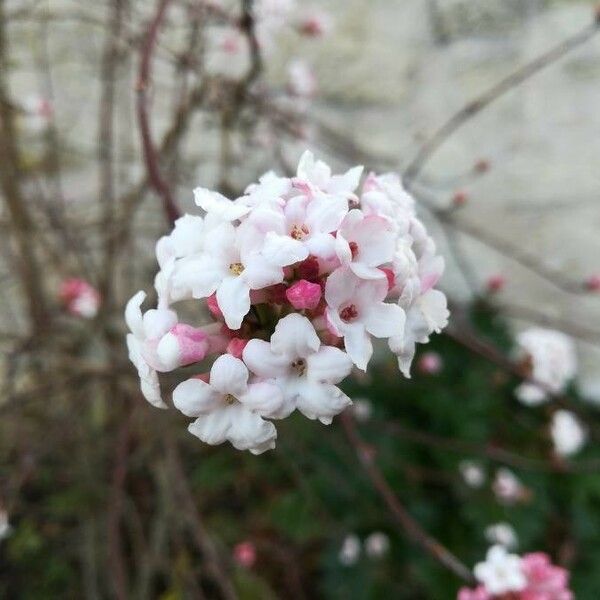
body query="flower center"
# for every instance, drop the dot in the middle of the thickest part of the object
(229, 399)
(236, 268)
(349, 313)
(299, 366)
(353, 249)
(299, 232)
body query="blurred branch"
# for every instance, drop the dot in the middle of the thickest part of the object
(475, 106)
(408, 525)
(150, 154)
(10, 182)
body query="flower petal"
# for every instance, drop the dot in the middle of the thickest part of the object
(229, 375)
(282, 250)
(321, 401)
(328, 365)
(264, 398)
(358, 345)
(233, 297)
(295, 337)
(262, 361)
(194, 397)
(385, 320)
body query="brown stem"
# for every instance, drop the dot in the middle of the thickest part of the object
(150, 154)
(407, 524)
(475, 106)
(11, 174)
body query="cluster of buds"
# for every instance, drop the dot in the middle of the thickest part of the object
(505, 576)
(298, 275)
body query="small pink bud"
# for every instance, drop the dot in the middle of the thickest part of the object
(183, 345)
(495, 283)
(592, 283)
(213, 306)
(236, 347)
(430, 363)
(79, 297)
(244, 554)
(304, 294)
(390, 277)
(460, 198)
(482, 165)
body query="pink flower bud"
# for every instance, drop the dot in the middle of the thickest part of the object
(79, 297)
(430, 363)
(244, 554)
(213, 306)
(482, 165)
(183, 345)
(304, 294)
(460, 198)
(236, 347)
(495, 283)
(592, 283)
(479, 593)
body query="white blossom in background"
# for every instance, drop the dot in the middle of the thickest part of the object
(301, 79)
(362, 409)
(550, 358)
(502, 534)
(298, 275)
(501, 572)
(350, 551)
(79, 298)
(568, 435)
(38, 112)
(377, 544)
(507, 487)
(472, 473)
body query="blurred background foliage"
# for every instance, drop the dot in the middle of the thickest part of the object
(297, 503)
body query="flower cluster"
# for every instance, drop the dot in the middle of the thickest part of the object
(530, 577)
(299, 275)
(550, 359)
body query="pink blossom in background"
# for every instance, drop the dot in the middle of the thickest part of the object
(505, 576)
(244, 554)
(315, 23)
(460, 198)
(592, 283)
(495, 283)
(79, 297)
(430, 363)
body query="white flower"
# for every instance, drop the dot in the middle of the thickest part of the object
(301, 79)
(377, 544)
(231, 266)
(507, 487)
(230, 408)
(364, 243)
(316, 176)
(426, 315)
(501, 572)
(552, 361)
(567, 433)
(362, 409)
(472, 473)
(356, 308)
(502, 534)
(350, 550)
(302, 227)
(305, 370)
(146, 332)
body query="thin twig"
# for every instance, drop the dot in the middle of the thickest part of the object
(150, 154)
(475, 106)
(408, 525)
